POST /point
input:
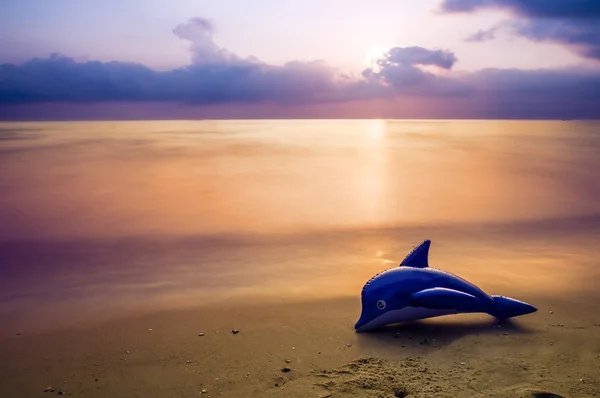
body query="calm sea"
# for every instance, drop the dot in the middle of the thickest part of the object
(100, 219)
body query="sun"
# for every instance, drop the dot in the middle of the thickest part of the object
(375, 53)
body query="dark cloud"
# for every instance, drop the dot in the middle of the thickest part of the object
(517, 85)
(399, 69)
(215, 76)
(410, 56)
(581, 36)
(582, 9)
(218, 77)
(575, 23)
(60, 78)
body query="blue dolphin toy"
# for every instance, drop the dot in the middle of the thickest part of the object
(415, 291)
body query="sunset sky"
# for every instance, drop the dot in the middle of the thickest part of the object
(72, 59)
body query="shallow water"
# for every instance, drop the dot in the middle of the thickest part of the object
(108, 218)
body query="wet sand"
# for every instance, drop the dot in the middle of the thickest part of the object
(556, 350)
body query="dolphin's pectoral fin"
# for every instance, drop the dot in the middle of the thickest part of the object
(442, 298)
(418, 258)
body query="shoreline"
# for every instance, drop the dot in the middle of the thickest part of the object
(98, 280)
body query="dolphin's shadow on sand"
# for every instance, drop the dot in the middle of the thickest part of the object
(437, 332)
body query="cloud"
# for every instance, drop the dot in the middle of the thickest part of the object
(581, 9)
(410, 56)
(485, 34)
(574, 23)
(529, 85)
(533, 94)
(581, 36)
(200, 33)
(60, 78)
(400, 69)
(217, 77)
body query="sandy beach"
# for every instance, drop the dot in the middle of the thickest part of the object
(554, 351)
(183, 352)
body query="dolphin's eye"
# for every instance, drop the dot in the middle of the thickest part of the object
(381, 304)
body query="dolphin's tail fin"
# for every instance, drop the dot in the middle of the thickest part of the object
(506, 307)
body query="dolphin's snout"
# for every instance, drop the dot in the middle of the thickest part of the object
(507, 307)
(362, 320)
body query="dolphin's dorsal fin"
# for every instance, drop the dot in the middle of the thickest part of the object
(418, 258)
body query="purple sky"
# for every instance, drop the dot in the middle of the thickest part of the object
(68, 59)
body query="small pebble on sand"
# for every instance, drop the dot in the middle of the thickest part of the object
(203, 391)
(286, 369)
(149, 330)
(348, 345)
(200, 334)
(551, 312)
(188, 361)
(235, 331)
(48, 389)
(288, 361)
